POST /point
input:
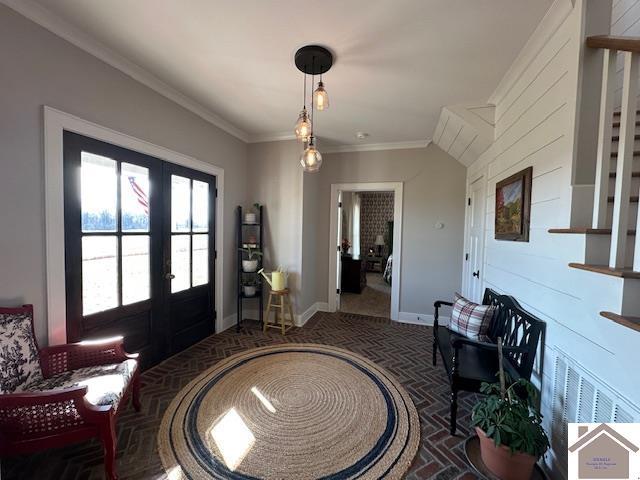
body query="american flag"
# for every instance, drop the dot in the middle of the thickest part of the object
(140, 194)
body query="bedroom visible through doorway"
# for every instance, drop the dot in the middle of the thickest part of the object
(366, 256)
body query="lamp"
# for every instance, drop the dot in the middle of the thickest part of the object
(380, 243)
(320, 96)
(303, 126)
(311, 158)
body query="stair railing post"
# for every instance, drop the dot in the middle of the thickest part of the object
(636, 248)
(624, 165)
(605, 130)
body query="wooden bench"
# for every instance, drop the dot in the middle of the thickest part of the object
(469, 363)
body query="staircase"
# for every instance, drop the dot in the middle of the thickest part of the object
(611, 246)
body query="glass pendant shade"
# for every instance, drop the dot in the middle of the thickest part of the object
(320, 97)
(303, 126)
(311, 158)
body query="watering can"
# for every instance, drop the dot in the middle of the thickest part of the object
(278, 280)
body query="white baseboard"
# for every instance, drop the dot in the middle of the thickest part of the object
(228, 322)
(298, 319)
(420, 319)
(310, 312)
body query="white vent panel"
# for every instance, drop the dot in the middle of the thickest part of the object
(579, 397)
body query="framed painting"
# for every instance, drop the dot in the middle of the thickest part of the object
(513, 207)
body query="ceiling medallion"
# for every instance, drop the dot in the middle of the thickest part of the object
(312, 60)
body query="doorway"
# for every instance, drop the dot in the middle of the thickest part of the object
(139, 248)
(365, 248)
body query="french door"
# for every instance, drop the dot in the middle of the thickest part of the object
(139, 249)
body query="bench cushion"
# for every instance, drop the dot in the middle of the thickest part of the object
(106, 384)
(19, 362)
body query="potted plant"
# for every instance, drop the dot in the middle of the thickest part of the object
(249, 288)
(251, 263)
(509, 426)
(252, 217)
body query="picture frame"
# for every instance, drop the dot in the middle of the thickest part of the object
(513, 207)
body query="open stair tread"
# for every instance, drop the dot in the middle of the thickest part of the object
(616, 138)
(636, 153)
(633, 174)
(586, 230)
(606, 270)
(616, 124)
(617, 113)
(625, 320)
(632, 199)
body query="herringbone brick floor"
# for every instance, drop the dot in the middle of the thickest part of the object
(403, 349)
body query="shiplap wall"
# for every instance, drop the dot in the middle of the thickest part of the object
(534, 126)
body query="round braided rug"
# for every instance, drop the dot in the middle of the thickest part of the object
(292, 411)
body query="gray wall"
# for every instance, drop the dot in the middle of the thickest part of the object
(312, 240)
(274, 179)
(434, 191)
(39, 68)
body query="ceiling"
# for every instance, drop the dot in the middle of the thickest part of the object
(398, 62)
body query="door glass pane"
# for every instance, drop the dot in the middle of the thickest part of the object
(180, 262)
(134, 198)
(135, 268)
(99, 274)
(98, 193)
(200, 206)
(180, 204)
(200, 259)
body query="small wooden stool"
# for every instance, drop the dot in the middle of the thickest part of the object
(285, 308)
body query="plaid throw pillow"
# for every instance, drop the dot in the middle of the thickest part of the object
(470, 319)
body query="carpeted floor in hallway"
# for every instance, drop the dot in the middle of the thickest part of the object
(374, 300)
(405, 350)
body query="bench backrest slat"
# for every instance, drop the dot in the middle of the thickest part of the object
(517, 327)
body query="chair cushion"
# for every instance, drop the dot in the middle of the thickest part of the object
(19, 363)
(470, 319)
(106, 384)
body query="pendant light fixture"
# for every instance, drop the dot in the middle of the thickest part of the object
(303, 125)
(312, 60)
(320, 96)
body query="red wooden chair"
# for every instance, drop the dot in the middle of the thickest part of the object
(63, 394)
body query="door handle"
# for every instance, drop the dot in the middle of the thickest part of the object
(476, 274)
(169, 276)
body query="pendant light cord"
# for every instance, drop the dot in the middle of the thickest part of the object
(313, 66)
(304, 91)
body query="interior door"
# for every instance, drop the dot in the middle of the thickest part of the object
(339, 252)
(189, 254)
(475, 240)
(132, 224)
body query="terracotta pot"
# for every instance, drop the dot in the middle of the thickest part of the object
(502, 463)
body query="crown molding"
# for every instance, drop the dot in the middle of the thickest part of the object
(47, 19)
(272, 137)
(370, 147)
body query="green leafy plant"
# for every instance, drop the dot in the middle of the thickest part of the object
(510, 417)
(256, 206)
(251, 252)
